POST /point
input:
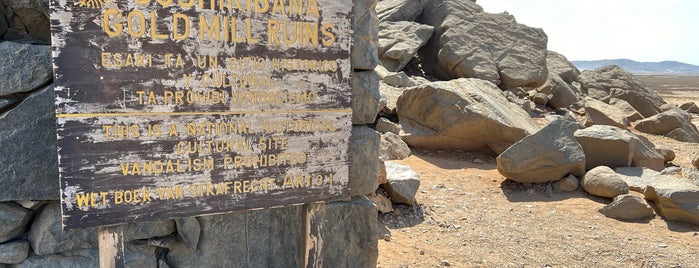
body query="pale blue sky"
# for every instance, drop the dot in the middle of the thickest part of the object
(642, 30)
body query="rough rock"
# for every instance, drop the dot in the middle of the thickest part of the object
(27, 22)
(384, 125)
(24, 67)
(567, 184)
(399, 42)
(344, 235)
(13, 220)
(261, 238)
(492, 47)
(695, 161)
(137, 255)
(381, 178)
(383, 204)
(399, 10)
(403, 183)
(631, 114)
(613, 82)
(600, 113)
(677, 198)
(47, 237)
(14, 252)
(562, 95)
(603, 181)
(28, 142)
(392, 147)
(189, 230)
(399, 79)
(70, 259)
(674, 123)
(668, 154)
(391, 95)
(628, 207)
(365, 97)
(540, 98)
(365, 54)
(364, 154)
(559, 65)
(547, 155)
(615, 147)
(468, 114)
(690, 107)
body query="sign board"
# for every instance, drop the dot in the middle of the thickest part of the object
(173, 108)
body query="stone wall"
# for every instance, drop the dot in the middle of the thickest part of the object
(333, 234)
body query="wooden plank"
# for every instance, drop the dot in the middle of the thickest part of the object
(111, 246)
(169, 110)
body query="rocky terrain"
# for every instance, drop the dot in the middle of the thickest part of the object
(498, 152)
(648, 68)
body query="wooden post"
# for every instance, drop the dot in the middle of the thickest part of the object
(313, 243)
(111, 246)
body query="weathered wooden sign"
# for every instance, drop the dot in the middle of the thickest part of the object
(172, 108)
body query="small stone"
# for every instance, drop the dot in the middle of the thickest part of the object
(662, 246)
(695, 161)
(446, 263)
(567, 184)
(387, 237)
(422, 252)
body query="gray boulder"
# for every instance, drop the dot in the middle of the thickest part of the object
(559, 65)
(600, 113)
(562, 94)
(399, 10)
(668, 154)
(603, 181)
(364, 154)
(399, 79)
(468, 114)
(674, 123)
(47, 237)
(399, 42)
(24, 67)
(189, 230)
(27, 22)
(676, 198)
(392, 147)
(614, 82)
(403, 183)
(628, 207)
(70, 259)
(343, 234)
(264, 238)
(615, 147)
(384, 125)
(14, 252)
(492, 47)
(365, 54)
(13, 220)
(365, 97)
(631, 114)
(28, 142)
(545, 156)
(690, 107)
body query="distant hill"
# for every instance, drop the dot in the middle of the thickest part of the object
(663, 67)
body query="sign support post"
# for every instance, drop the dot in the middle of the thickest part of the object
(111, 246)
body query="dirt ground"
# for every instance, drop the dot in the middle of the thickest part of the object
(468, 215)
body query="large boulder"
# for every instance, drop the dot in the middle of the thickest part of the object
(399, 10)
(364, 155)
(628, 207)
(603, 181)
(27, 21)
(28, 140)
(393, 147)
(615, 147)
(469, 114)
(13, 220)
(629, 112)
(600, 113)
(677, 198)
(492, 47)
(561, 93)
(365, 55)
(559, 65)
(547, 155)
(614, 82)
(24, 67)
(399, 42)
(674, 123)
(403, 183)
(690, 107)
